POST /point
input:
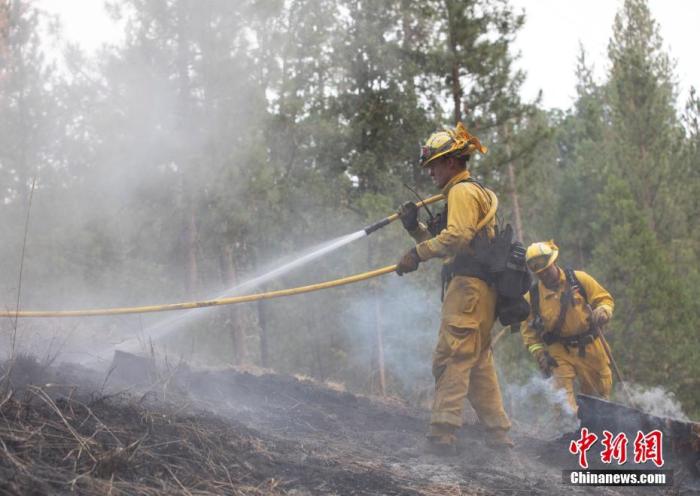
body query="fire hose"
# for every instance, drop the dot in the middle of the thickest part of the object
(204, 303)
(244, 298)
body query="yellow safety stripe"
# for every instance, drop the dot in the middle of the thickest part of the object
(534, 347)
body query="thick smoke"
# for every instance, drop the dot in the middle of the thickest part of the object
(538, 403)
(656, 401)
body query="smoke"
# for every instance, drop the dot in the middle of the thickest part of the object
(540, 404)
(408, 317)
(656, 401)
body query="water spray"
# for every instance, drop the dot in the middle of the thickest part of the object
(228, 300)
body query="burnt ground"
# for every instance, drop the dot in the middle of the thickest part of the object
(64, 431)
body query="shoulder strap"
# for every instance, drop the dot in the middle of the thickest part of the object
(493, 199)
(474, 181)
(567, 298)
(574, 283)
(564, 304)
(535, 299)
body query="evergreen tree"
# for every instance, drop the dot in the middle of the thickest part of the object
(655, 323)
(26, 105)
(643, 118)
(30, 134)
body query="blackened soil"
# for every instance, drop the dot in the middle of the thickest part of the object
(231, 432)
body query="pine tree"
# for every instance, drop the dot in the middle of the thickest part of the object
(654, 324)
(30, 133)
(643, 118)
(25, 103)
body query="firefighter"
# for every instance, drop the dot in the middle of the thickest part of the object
(568, 310)
(463, 364)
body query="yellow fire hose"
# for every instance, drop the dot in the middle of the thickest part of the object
(205, 303)
(245, 298)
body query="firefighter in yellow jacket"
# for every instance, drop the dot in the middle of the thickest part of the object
(463, 364)
(568, 308)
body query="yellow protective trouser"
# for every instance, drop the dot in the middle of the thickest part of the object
(592, 370)
(463, 364)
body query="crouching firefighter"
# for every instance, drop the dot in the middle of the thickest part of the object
(568, 310)
(465, 236)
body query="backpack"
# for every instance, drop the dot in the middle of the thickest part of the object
(500, 261)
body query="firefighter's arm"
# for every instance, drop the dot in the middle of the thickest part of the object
(530, 338)
(421, 233)
(408, 214)
(598, 297)
(462, 219)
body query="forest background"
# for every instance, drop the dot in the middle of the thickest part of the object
(223, 137)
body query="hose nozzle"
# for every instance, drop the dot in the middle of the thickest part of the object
(388, 220)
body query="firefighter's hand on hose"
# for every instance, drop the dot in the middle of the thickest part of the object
(600, 316)
(408, 263)
(408, 213)
(545, 361)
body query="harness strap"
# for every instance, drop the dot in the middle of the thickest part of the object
(579, 340)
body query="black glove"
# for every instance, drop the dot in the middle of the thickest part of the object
(408, 263)
(408, 213)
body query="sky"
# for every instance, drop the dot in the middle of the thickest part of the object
(548, 43)
(554, 30)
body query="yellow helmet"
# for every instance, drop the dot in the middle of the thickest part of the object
(455, 141)
(541, 255)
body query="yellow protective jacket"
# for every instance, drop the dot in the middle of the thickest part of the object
(577, 319)
(468, 203)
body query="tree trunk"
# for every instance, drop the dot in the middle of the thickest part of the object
(228, 270)
(181, 154)
(457, 91)
(380, 342)
(513, 188)
(516, 203)
(379, 352)
(191, 250)
(408, 75)
(262, 322)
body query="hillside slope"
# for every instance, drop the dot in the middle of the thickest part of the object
(232, 432)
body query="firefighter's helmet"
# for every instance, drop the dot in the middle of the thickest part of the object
(541, 255)
(457, 142)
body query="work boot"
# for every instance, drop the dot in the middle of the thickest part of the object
(441, 446)
(499, 439)
(441, 440)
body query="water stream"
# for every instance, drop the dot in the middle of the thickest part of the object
(174, 322)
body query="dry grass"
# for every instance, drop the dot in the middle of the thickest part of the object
(58, 438)
(51, 445)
